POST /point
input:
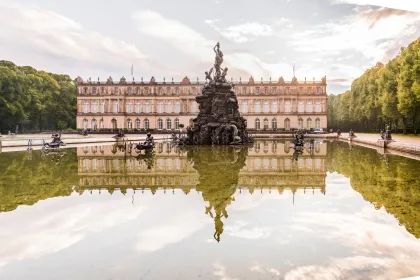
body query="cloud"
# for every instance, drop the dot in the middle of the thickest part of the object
(49, 232)
(242, 33)
(356, 267)
(177, 34)
(33, 33)
(375, 15)
(220, 272)
(408, 5)
(344, 48)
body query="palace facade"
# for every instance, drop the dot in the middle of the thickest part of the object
(137, 106)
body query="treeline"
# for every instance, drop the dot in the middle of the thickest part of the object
(35, 100)
(384, 94)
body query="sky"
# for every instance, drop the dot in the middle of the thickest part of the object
(165, 39)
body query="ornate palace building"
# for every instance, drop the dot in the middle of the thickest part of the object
(266, 105)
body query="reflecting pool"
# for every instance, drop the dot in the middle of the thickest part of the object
(261, 212)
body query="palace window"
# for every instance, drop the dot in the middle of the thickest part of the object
(257, 107)
(115, 107)
(274, 124)
(129, 107)
(148, 107)
(318, 107)
(168, 107)
(257, 123)
(114, 124)
(266, 107)
(85, 124)
(309, 107)
(94, 124)
(301, 107)
(138, 124)
(287, 107)
(160, 124)
(137, 107)
(146, 124)
(244, 107)
(317, 123)
(265, 124)
(129, 124)
(300, 122)
(93, 90)
(168, 124)
(160, 107)
(257, 90)
(176, 123)
(102, 106)
(85, 107)
(177, 107)
(287, 124)
(309, 123)
(101, 124)
(274, 107)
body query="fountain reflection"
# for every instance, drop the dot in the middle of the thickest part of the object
(216, 172)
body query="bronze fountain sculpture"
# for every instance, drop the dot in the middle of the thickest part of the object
(219, 121)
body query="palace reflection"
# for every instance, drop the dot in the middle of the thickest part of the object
(216, 172)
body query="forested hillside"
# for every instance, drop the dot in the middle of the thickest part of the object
(35, 100)
(384, 94)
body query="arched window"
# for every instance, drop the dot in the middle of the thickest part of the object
(114, 124)
(286, 147)
(129, 124)
(300, 123)
(309, 123)
(274, 124)
(168, 124)
(287, 124)
(85, 124)
(257, 123)
(160, 124)
(265, 124)
(317, 123)
(176, 123)
(146, 124)
(101, 124)
(94, 124)
(138, 123)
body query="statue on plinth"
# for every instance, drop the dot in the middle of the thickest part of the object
(219, 121)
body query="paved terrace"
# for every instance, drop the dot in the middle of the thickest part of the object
(402, 143)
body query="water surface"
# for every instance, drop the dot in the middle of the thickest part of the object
(263, 212)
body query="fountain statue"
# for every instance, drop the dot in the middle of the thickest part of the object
(219, 121)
